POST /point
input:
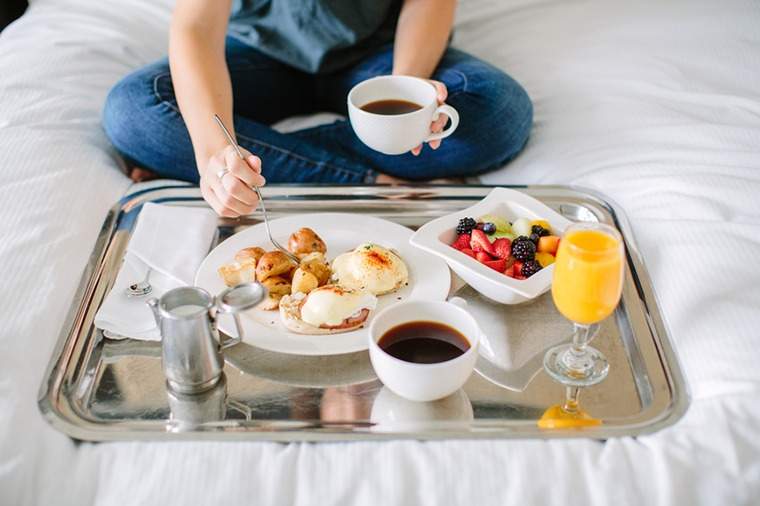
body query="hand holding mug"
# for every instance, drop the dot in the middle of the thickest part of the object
(227, 182)
(438, 123)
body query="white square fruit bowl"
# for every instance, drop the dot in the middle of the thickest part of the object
(436, 237)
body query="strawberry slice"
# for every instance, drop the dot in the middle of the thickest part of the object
(502, 246)
(510, 271)
(517, 266)
(483, 257)
(468, 252)
(518, 270)
(480, 242)
(462, 241)
(497, 265)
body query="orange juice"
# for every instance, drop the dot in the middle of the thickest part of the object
(557, 417)
(588, 275)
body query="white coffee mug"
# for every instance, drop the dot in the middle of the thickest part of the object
(398, 133)
(423, 382)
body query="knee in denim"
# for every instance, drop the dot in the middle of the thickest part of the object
(119, 111)
(507, 115)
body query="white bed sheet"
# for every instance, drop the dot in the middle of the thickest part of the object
(656, 104)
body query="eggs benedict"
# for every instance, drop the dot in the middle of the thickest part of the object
(328, 309)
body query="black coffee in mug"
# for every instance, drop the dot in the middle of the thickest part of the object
(424, 342)
(390, 107)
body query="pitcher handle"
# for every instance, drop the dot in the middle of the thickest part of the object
(232, 301)
(226, 341)
(232, 341)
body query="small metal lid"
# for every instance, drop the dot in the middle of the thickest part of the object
(241, 297)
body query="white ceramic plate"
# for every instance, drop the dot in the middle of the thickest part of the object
(429, 277)
(436, 237)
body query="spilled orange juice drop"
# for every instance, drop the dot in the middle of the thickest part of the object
(558, 417)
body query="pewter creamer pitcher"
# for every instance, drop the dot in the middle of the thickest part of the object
(191, 346)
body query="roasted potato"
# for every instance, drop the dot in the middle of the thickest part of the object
(305, 241)
(277, 287)
(304, 281)
(271, 303)
(316, 265)
(250, 255)
(314, 256)
(234, 273)
(273, 263)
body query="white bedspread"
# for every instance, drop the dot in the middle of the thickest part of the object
(656, 104)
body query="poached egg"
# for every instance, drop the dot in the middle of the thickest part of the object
(370, 267)
(331, 305)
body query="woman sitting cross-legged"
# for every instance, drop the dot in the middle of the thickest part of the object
(272, 59)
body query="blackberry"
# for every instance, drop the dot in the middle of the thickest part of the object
(489, 228)
(466, 225)
(539, 231)
(523, 249)
(529, 268)
(534, 238)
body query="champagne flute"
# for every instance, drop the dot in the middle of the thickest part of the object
(586, 288)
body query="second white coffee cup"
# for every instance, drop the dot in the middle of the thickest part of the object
(424, 382)
(395, 134)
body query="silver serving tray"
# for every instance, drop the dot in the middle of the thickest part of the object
(103, 390)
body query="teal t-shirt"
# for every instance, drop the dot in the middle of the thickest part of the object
(314, 35)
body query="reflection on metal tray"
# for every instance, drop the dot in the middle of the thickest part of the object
(101, 390)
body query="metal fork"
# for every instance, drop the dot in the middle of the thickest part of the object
(234, 144)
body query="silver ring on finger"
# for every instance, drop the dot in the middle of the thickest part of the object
(222, 173)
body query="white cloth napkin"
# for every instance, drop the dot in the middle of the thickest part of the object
(171, 242)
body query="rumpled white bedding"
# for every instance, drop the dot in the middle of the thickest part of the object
(656, 104)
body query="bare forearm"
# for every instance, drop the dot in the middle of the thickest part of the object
(202, 86)
(422, 33)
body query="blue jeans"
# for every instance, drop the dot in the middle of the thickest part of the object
(143, 121)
